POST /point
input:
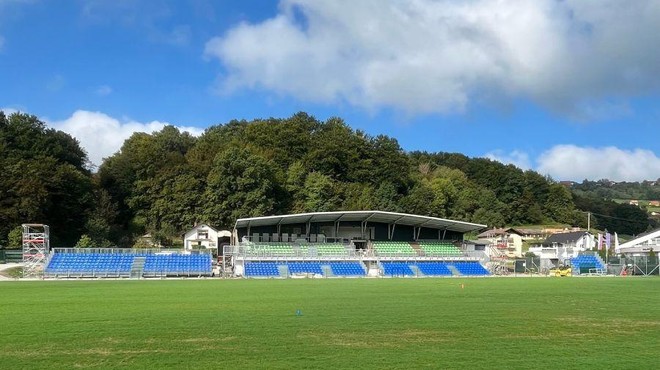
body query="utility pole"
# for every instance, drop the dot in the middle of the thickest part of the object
(589, 221)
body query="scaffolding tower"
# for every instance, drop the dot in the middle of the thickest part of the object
(36, 243)
(498, 260)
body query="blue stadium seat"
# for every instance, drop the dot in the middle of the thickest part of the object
(89, 264)
(584, 262)
(347, 269)
(470, 268)
(305, 268)
(178, 265)
(434, 268)
(396, 269)
(261, 269)
(120, 264)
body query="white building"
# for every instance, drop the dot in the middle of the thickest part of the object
(509, 240)
(205, 236)
(641, 245)
(560, 247)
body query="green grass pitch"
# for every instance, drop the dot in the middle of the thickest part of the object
(497, 323)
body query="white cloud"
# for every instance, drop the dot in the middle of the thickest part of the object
(425, 56)
(104, 90)
(101, 135)
(9, 110)
(517, 158)
(571, 162)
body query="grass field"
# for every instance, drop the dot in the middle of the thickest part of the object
(362, 323)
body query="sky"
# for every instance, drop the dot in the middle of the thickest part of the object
(567, 88)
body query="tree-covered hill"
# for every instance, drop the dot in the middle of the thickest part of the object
(166, 181)
(44, 179)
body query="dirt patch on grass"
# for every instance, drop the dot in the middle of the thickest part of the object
(389, 339)
(206, 340)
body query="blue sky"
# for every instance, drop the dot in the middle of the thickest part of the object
(568, 88)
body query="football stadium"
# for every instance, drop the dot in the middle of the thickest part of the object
(334, 290)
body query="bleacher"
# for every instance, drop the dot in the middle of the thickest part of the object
(323, 249)
(470, 268)
(348, 268)
(123, 263)
(89, 265)
(178, 265)
(261, 269)
(586, 264)
(395, 268)
(434, 268)
(272, 249)
(390, 248)
(439, 248)
(305, 267)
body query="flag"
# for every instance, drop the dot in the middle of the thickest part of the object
(616, 243)
(608, 241)
(600, 241)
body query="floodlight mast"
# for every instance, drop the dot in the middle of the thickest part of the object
(36, 244)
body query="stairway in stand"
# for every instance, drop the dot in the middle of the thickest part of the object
(137, 268)
(454, 270)
(284, 270)
(418, 250)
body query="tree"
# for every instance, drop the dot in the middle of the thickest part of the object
(559, 204)
(320, 193)
(44, 179)
(15, 238)
(85, 242)
(336, 152)
(240, 184)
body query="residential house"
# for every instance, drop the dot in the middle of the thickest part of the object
(559, 247)
(203, 236)
(509, 240)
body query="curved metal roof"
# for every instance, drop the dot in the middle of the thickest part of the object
(370, 216)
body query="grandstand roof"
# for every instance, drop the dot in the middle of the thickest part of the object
(643, 242)
(371, 216)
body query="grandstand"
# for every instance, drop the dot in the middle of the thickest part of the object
(350, 244)
(321, 244)
(587, 264)
(125, 263)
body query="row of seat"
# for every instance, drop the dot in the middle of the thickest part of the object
(398, 268)
(394, 248)
(271, 269)
(352, 268)
(80, 263)
(383, 248)
(439, 249)
(120, 264)
(330, 249)
(584, 262)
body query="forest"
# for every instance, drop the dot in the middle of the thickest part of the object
(164, 182)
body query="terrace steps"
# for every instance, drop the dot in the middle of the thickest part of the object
(416, 271)
(454, 270)
(137, 268)
(327, 271)
(284, 270)
(417, 249)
